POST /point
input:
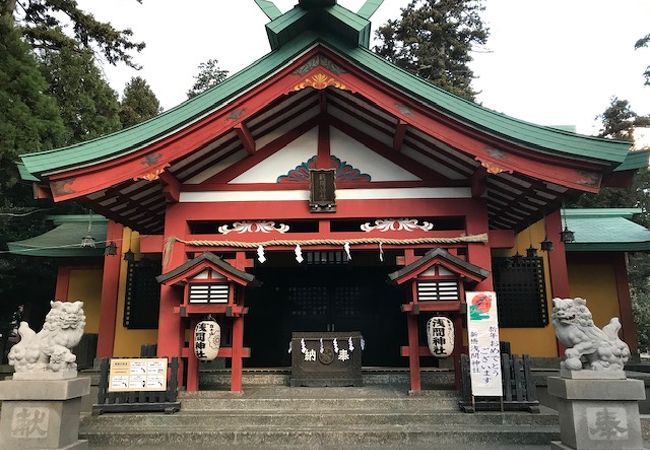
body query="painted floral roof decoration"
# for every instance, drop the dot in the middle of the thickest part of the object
(344, 172)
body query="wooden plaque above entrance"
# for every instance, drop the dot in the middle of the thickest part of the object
(322, 190)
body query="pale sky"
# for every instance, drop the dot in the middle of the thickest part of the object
(552, 62)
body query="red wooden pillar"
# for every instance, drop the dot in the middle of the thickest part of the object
(236, 370)
(414, 352)
(557, 266)
(412, 328)
(236, 363)
(62, 283)
(192, 362)
(458, 349)
(624, 301)
(479, 253)
(110, 288)
(171, 332)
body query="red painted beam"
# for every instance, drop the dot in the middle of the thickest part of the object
(398, 138)
(349, 209)
(501, 238)
(151, 243)
(171, 187)
(269, 149)
(479, 182)
(246, 137)
(257, 237)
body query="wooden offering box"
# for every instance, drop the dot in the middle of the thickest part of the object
(313, 368)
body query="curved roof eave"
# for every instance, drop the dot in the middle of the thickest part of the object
(541, 138)
(129, 139)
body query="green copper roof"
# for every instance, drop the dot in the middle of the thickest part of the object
(347, 34)
(269, 8)
(65, 239)
(635, 160)
(606, 230)
(369, 7)
(24, 173)
(349, 27)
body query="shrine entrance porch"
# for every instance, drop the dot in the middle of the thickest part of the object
(326, 293)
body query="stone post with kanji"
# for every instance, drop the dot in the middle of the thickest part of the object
(598, 406)
(42, 402)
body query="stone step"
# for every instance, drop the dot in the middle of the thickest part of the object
(218, 378)
(197, 421)
(326, 404)
(310, 436)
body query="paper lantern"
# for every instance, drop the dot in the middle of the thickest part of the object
(207, 339)
(440, 336)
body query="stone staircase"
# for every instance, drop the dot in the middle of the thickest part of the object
(374, 416)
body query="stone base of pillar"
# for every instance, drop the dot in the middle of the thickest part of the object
(42, 414)
(598, 414)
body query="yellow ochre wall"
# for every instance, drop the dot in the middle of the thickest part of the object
(538, 342)
(592, 279)
(595, 281)
(127, 342)
(86, 285)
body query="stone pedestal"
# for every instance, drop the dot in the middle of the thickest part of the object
(598, 414)
(42, 414)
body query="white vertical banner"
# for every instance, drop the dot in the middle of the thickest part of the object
(484, 349)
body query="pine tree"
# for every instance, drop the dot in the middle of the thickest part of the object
(139, 103)
(42, 23)
(209, 76)
(88, 105)
(29, 119)
(433, 39)
(642, 43)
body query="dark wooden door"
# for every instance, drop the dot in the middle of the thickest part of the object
(321, 299)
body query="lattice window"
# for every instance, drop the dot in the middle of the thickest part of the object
(308, 301)
(326, 257)
(346, 301)
(142, 301)
(446, 290)
(209, 293)
(521, 291)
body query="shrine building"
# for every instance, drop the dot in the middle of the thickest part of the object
(322, 189)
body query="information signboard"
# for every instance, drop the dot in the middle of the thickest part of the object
(137, 374)
(484, 349)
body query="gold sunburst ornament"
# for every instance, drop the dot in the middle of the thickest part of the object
(150, 176)
(320, 81)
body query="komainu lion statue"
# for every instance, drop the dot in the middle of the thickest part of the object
(48, 351)
(588, 347)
